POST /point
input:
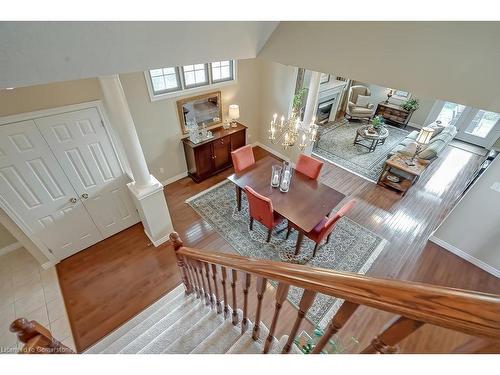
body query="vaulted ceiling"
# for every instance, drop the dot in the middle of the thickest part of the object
(41, 52)
(455, 61)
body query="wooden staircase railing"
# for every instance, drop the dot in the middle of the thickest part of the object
(414, 304)
(36, 338)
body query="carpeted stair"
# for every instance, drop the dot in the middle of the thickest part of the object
(183, 324)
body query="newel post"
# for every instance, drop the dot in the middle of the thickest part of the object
(177, 244)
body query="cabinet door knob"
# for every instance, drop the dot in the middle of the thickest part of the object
(72, 200)
(85, 195)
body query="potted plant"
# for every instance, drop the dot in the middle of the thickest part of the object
(411, 104)
(377, 123)
(297, 102)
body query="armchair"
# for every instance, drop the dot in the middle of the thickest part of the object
(357, 110)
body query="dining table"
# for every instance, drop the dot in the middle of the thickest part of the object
(305, 204)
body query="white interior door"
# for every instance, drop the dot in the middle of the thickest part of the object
(36, 189)
(82, 146)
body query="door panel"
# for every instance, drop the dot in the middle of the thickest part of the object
(34, 186)
(205, 159)
(82, 146)
(222, 152)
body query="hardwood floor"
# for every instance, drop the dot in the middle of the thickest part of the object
(108, 283)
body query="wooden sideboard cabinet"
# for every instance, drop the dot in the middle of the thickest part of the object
(213, 155)
(393, 114)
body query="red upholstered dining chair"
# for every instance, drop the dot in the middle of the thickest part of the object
(242, 158)
(309, 166)
(261, 209)
(323, 229)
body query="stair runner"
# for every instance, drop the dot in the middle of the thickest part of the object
(182, 324)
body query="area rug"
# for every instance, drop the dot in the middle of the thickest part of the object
(352, 247)
(335, 144)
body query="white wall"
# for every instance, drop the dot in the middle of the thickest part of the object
(454, 61)
(472, 229)
(41, 52)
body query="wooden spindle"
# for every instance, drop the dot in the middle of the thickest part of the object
(177, 244)
(396, 330)
(199, 269)
(207, 276)
(37, 338)
(234, 278)
(192, 281)
(224, 291)
(261, 288)
(246, 286)
(216, 289)
(305, 303)
(281, 293)
(338, 321)
(194, 277)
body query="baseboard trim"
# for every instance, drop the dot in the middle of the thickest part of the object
(159, 241)
(274, 152)
(48, 265)
(462, 254)
(7, 249)
(174, 178)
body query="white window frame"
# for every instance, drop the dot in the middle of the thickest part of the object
(206, 67)
(167, 91)
(231, 77)
(190, 91)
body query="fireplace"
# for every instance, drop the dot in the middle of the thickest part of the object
(325, 106)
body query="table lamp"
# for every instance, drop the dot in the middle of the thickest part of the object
(423, 138)
(234, 114)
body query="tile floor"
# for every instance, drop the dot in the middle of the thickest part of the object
(29, 291)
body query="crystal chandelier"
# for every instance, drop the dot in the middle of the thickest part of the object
(291, 131)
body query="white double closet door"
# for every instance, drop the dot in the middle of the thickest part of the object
(60, 175)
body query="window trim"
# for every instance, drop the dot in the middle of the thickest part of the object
(231, 67)
(167, 91)
(188, 91)
(185, 86)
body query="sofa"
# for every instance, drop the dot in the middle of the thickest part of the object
(431, 151)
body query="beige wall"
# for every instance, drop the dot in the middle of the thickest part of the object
(34, 98)
(454, 61)
(6, 238)
(277, 88)
(157, 122)
(473, 224)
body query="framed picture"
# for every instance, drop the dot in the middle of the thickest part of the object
(401, 95)
(204, 109)
(324, 78)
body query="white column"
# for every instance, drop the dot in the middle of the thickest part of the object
(146, 190)
(311, 103)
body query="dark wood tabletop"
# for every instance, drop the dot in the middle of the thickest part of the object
(305, 204)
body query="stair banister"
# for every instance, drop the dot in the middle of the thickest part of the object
(470, 312)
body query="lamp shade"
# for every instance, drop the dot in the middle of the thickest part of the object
(234, 111)
(425, 135)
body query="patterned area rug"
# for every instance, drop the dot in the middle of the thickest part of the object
(352, 248)
(336, 145)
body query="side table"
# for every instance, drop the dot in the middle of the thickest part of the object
(393, 168)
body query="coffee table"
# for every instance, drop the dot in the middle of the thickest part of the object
(370, 141)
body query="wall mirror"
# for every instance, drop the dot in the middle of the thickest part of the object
(203, 109)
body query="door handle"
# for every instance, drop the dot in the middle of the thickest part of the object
(73, 200)
(85, 195)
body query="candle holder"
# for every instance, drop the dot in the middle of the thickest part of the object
(276, 175)
(286, 178)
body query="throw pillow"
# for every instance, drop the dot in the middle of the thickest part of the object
(438, 128)
(363, 100)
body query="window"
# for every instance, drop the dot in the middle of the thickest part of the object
(165, 82)
(222, 71)
(195, 75)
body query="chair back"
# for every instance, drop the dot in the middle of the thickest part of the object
(309, 166)
(356, 90)
(242, 158)
(332, 221)
(260, 207)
